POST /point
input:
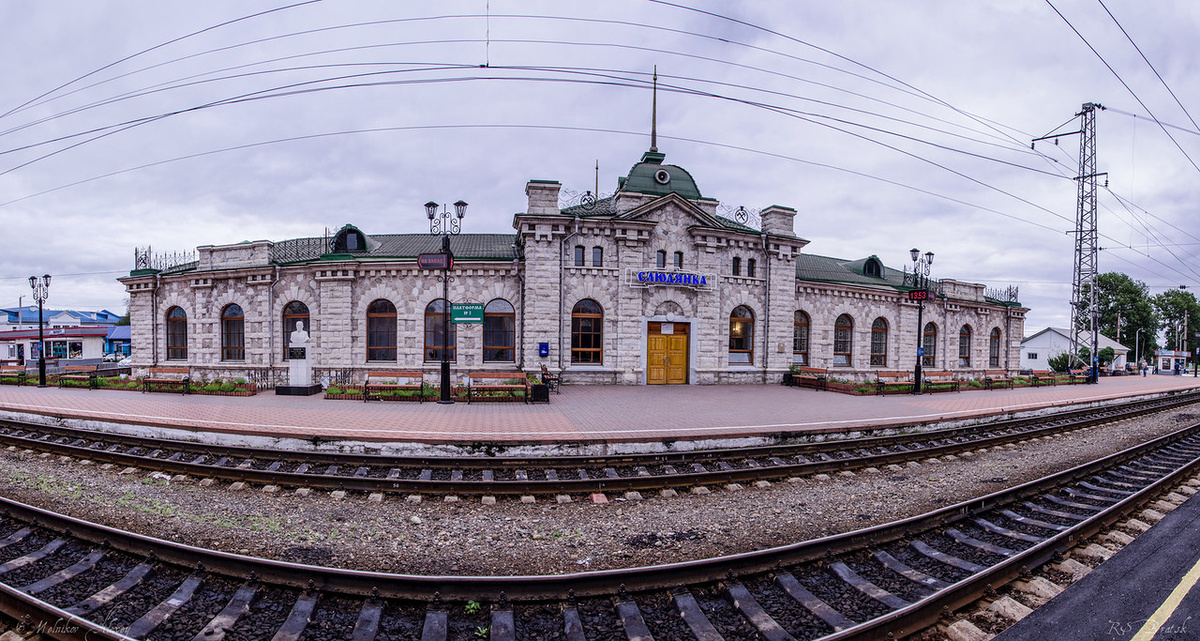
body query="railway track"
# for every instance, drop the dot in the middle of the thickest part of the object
(488, 476)
(79, 580)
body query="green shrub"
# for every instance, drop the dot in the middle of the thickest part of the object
(227, 386)
(334, 390)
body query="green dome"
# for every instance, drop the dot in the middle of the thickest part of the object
(650, 176)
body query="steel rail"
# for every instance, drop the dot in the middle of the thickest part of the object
(472, 487)
(47, 621)
(1172, 399)
(608, 582)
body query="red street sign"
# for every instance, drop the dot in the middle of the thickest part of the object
(435, 261)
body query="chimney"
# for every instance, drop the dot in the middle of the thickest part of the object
(543, 197)
(778, 220)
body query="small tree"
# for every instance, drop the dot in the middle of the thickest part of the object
(1107, 356)
(1060, 362)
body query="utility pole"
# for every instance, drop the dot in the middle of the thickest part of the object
(1083, 282)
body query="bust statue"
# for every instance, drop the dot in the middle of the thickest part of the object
(299, 337)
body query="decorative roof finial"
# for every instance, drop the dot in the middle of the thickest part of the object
(654, 113)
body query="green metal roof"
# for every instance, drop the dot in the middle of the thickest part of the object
(464, 246)
(650, 176)
(838, 270)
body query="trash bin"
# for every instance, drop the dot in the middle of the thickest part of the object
(539, 393)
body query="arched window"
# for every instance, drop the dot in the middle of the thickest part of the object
(964, 346)
(879, 338)
(176, 334)
(381, 331)
(435, 325)
(741, 336)
(587, 333)
(597, 257)
(233, 333)
(579, 255)
(994, 348)
(678, 260)
(843, 343)
(293, 313)
(751, 264)
(499, 331)
(737, 266)
(873, 267)
(660, 259)
(800, 338)
(929, 342)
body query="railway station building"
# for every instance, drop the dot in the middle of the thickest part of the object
(652, 285)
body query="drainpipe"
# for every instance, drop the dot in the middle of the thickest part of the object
(520, 327)
(562, 257)
(271, 322)
(154, 318)
(766, 311)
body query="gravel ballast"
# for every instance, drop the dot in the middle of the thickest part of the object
(466, 537)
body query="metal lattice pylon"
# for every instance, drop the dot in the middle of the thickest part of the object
(1083, 284)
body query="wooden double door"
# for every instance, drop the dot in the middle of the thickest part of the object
(667, 353)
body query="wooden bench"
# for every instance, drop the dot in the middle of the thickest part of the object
(1044, 377)
(993, 378)
(890, 381)
(388, 380)
(1077, 375)
(813, 377)
(941, 378)
(79, 373)
(511, 382)
(13, 371)
(165, 378)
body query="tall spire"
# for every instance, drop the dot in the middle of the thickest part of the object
(654, 113)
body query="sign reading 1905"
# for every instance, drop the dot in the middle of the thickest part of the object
(919, 294)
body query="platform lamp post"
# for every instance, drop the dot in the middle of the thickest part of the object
(41, 291)
(920, 292)
(446, 223)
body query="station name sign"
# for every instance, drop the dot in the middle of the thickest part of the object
(689, 280)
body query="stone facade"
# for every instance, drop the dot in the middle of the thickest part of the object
(657, 261)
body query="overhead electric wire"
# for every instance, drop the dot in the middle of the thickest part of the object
(1021, 147)
(1149, 64)
(157, 46)
(1124, 84)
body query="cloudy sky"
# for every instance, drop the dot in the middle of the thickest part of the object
(887, 125)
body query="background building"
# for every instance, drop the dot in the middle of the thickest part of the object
(648, 286)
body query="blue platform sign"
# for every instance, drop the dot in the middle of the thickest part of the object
(920, 351)
(543, 349)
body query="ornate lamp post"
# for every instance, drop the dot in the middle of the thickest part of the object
(41, 291)
(920, 291)
(446, 224)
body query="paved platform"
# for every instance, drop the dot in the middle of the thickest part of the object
(1146, 591)
(580, 414)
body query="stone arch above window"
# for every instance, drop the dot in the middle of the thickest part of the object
(843, 341)
(177, 344)
(381, 331)
(233, 333)
(879, 342)
(801, 326)
(587, 333)
(499, 332)
(294, 313)
(741, 336)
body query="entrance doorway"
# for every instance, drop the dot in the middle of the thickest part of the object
(667, 354)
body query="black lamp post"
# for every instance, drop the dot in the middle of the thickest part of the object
(446, 224)
(41, 291)
(920, 291)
